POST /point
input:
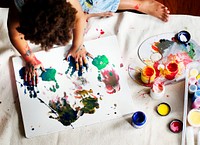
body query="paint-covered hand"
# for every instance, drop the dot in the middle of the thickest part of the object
(32, 70)
(80, 55)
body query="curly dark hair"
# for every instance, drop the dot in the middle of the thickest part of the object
(47, 22)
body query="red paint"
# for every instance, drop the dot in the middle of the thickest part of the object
(149, 71)
(172, 70)
(172, 67)
(176, 126)
(102, 32)
(136, 7)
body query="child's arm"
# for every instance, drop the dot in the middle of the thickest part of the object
(78, 51)
(18, 41)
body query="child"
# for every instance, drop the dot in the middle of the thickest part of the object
(49, 22)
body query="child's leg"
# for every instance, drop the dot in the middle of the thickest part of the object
(150, 7)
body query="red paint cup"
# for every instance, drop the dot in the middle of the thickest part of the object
(171, 70)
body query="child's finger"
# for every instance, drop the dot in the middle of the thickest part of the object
(89, 55)
(77, 65)
(80, 62)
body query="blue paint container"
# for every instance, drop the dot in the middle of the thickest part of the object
(192, 88)
(138, 119)
(183, 36)
(196, 95)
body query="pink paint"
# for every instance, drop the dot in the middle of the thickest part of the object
(111, 80)
(176, 126)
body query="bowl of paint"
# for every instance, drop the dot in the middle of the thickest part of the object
(148, 74)
(171, 70)
(138, 119)
(163, 109)
(176, 126)
(194, 117)
(183, 36)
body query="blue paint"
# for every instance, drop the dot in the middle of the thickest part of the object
(31, 88)
(138, 119)
(72, 67)
(192, 88)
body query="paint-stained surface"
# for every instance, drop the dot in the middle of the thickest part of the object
(161, 50)
(67, 98)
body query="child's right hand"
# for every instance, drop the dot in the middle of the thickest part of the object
(79, 55)
(31, 71)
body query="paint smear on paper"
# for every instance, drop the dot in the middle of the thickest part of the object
(32, 90)
(108, 76)
(49, 75)
(111, 80)
(86, 102)
(72, 67)
(101, 61)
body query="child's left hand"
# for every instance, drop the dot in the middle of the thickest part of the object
(79, 54)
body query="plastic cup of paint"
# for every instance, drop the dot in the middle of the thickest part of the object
(163, 109)
(192, 89)
(194, 117)
(183, 36)
(198, 83)
(192, 80)
(138, 119)
(176, 126)
(196, 94)
(157, 91)
(148, 74)
(194, 72)
(196, 103)
(171, 70)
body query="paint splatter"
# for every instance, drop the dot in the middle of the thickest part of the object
(101, 32)
(49, 75)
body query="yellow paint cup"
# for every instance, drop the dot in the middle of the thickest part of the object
(148, 74)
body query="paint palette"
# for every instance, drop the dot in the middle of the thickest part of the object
(191, 115)
(67, 99)
(158, 51)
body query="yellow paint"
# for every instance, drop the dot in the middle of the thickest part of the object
(198, 76)
(163, 109)
(148, 74)
(194, 72)
(194, 117)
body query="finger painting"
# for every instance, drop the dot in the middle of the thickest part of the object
(65, 98)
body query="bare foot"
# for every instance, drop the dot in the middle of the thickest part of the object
(153, 8)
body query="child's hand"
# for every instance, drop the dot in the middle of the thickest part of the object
(79, 54)
(31, 71)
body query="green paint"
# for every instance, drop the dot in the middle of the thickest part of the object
(100, 62)
(89, 105)
(66, 114)
(191, 52)
(49, 75)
